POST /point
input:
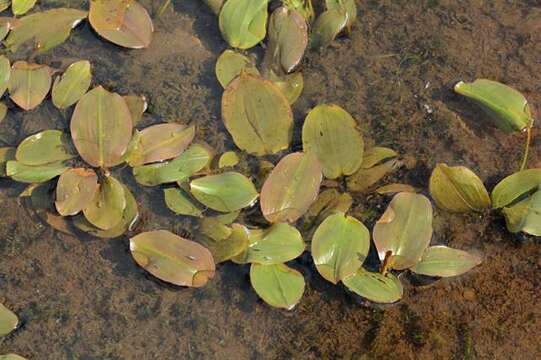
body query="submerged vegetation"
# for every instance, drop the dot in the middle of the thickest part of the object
(298, 196)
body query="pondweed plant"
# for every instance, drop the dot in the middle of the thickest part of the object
(256, 110)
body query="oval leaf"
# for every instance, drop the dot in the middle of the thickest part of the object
(224, 248)
(123, 22)
(291, 188)
(331, 133)
(173, 259)
(348, 6)
(101, 128)
(363, 179)
(278, 285)
(257, 115)
(74, 191)
(445, 262)
(6, 154)
(514, 186)
(180, 203)
(508, 107)
(376, 155)
(339, 247)
(385, 289)
(291, 85)
(106, 208)
(525, 215)
(458, 189)
(404, 229)
(29, 84)
(5, 74)
(278, 244)
(75, 82)
(327, 27)
(34, 174)
(137, 105)
(8, 320)
(230, 64)
(225, 192)
(43, 148)
(20, 7)
(228, 159)
(243, 23)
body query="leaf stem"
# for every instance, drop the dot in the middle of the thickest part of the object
(526, 148)
(386, 262)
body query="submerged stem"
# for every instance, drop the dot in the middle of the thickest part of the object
(386, 261)
(526, 148)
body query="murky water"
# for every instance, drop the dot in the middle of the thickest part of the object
(84, 298)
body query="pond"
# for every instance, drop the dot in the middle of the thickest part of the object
(80, 297)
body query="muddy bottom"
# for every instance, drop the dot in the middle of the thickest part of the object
(84, 298)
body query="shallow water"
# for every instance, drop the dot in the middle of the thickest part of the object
(84, 298)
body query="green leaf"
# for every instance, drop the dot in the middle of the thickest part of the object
(525, 215)
(287, 39)
(34, 174)
(508, 107)
(514, 186)
(137, 105)
(395, 188)
(444, 261)
(339, 247)
(225, 192)
(327, 27)
(75, 190)
(291, 187)
(20, 7)
(29, 84)
(376, 155)
(278, 244)
(173, 259)
(5, 74)
(257, 115)
(101, 128)
(6, 154)
(331, 133)
(214, 5)
(160, 142)
(243, 23)
(327, 203)
(458, 189)
(291, 85)
(230, 64)
(4, 4)
(44, 148)
(278, 285)
(106, 208)
(180, 203)
(123, 22)
(8, 320)
(11, 357)
(404, 229)
(228, 159)
(385, 289)
(348, 6)
(233, 242)
(45, 29)
(195, 158)
(75, 82)
(363, 179)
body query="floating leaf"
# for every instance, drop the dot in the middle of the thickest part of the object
(508, 107)
(8, 320)
(385, 289)
(278, 244)
(228, 159)
(225, 192)
(445, 262)
(227, 247)
(29, 84)
(20, 7)
(180, 203)
(339, 247)
(34, 174)
(228, 218)
(395, 188)
(291, 188)
(74, 191)
(214, 229)
(257, 115)
(45, 147)
(514, 186)
(215, 5)
(363, 179)
(137, 105)
(230, 64)
(75, 82)
(331, 133)
(375, 155)
(327, 27)
(195, 158)
(288, 38)
(160, 142)
(278, 285)
(291, 85)
(173, 259)
(129, 217)
(106, 208)
(348, 6)
(45, 29)
(243, 23)
(304, 7)
(6, 154)
(101, 127)
(4, 4)
(327, 203)
(458, 189)
(404, 229)
(11, 357)
(525, 215)
(123, 22)
(5, 74)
